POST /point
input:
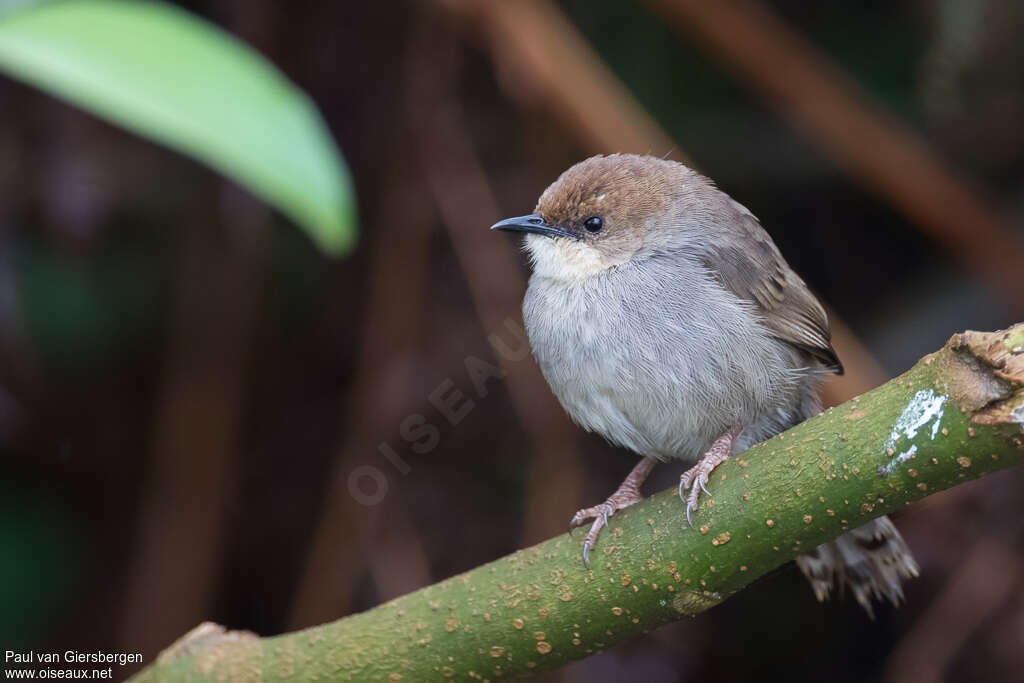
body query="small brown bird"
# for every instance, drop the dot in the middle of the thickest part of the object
(665, 319)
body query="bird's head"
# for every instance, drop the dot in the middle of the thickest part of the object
(603, 212)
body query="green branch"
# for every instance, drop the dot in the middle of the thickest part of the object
(954, 416)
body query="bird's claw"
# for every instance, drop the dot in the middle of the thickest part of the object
(600, 514)
(627, 494)
(689, 503)
(696, 478)
(692, 503)
(694, 483)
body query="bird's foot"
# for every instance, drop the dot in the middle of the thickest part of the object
(696, 478)
(627, 494)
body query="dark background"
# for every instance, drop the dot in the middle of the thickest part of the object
(186, 384)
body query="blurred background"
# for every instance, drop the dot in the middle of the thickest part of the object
(204, 418)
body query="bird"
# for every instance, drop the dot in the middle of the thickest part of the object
(665, 319)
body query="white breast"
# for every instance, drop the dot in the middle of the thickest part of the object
(658, 359)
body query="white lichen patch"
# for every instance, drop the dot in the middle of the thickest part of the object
(1017, 413)
(925, 407)
(898, 460)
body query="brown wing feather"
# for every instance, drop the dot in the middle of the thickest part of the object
(751, 267)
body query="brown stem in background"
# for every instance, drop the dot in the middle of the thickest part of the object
(863, 372)
(539, 50)
(340, 549)
(191, 485)
(982, 583)
(496, 281)
(825, 104)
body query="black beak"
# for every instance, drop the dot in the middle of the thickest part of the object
(532, 223)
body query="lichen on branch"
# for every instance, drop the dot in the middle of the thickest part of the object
(956, 415)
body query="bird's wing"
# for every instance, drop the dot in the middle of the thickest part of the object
(750, 266)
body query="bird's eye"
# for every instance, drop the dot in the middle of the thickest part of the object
(594, 224)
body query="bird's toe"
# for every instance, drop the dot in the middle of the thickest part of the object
(703, 480)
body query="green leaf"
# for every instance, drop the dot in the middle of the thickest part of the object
(11, 5)
(162, 73)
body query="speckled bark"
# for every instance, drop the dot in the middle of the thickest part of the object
(954, 416)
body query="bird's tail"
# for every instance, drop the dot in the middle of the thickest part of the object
(872, 560)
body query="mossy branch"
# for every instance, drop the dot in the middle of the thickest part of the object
(956, 415)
